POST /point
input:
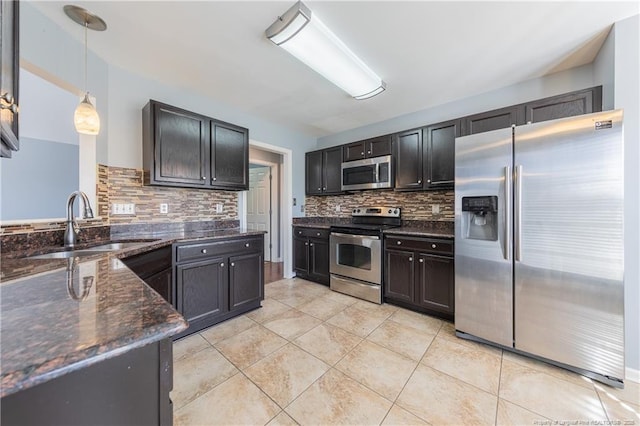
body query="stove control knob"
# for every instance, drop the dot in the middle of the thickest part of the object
(354, 210)
(390, 211)
(396, 211)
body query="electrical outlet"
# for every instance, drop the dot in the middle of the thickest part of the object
(219, 208)
(435, 208)
(123, 209)
(129, 209)
(295, 201)
(164, 208)
(301, 208)
(338, 208)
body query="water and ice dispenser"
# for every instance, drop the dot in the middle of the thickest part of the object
(480, 218)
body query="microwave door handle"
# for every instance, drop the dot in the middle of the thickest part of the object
(352, 236)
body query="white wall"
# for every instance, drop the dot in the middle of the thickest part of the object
(128, 94)
(626, 96)
(554, 84)
(603, 70)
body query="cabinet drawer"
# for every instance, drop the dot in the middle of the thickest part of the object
(311, 232)
(213, 248)
(426, 245)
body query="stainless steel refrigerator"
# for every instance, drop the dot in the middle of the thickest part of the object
(539, 242)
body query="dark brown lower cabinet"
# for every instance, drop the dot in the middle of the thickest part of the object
(419, 274)
(218, 279)
(311, 254)
(130, 389)
(154, 268)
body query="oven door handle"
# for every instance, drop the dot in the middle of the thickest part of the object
(359, 237)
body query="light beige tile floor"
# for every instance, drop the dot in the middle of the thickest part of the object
(311, 356)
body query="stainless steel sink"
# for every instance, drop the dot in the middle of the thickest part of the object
(116, 246)
(92, 251)
(66, 254)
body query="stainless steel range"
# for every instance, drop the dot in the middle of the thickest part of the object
(356, 252)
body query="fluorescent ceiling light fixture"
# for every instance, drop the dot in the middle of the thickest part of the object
(309, 40)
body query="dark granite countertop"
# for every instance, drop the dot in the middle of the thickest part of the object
(420, 232)
(415, 228)
(53, 321)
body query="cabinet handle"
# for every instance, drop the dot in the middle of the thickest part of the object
(299, 232)
(310, 244)
(411, 259)
(399, 242)
(318, 234)
(428, 180)
(233, 264)
(214, 178)
(419, 180)
(319, 189)
(203, 251)
(421, 260)
(306, 244)
(368, 152)
(222, 265)
(362, 153)
(433, 246)
(203, 178)
(246, 245)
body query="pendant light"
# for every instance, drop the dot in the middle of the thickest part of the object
(86, 118)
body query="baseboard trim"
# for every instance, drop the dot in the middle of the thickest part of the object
(632, 375)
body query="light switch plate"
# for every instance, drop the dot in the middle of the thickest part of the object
(219, 208)
(164, 208)
(435, 208)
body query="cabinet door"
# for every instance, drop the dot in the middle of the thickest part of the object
(319, 260)
(229, 156)
(180, 146)
(439, 155)
(377, 147)
(313, 173)
(409, 160)
(576, 103)
(201, 289)
(246, 279)
(301, 256)
(399, 283)
(490, 120)
(354, 151)
(332, 170)
(9, 77)
(161, 283)
(436, 283)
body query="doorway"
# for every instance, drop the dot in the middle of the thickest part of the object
(264, 206)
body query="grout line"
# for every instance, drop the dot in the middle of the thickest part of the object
(495, 420)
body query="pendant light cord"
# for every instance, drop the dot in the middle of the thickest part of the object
(86, 23)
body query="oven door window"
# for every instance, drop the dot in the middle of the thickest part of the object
(359, 175)
(355, 256)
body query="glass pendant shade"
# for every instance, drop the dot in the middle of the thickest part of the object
(86, 118)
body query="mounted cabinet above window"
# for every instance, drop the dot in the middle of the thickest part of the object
(374, 147)
(185, 149)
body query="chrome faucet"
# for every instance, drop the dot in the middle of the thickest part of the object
(72, 229)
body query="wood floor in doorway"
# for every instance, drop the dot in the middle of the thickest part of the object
(272, 271)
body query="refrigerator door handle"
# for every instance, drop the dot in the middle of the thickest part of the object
(508, 211)
(518, 214)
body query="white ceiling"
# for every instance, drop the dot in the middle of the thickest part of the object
(428, 53)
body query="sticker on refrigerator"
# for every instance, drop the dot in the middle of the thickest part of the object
(607, 124)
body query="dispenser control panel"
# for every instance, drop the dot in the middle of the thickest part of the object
(487, 204)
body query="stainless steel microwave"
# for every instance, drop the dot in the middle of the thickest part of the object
(370, 173)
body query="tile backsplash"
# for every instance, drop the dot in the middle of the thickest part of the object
(124, 186)
(415, 205)
(184, 205)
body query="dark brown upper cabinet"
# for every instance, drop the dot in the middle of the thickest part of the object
(9, 77)
(185, 149)
(575, 103)
(229, 156)
(439, 154)
(323, 171)
(408, 153)
(490, 120)
(374, 147)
